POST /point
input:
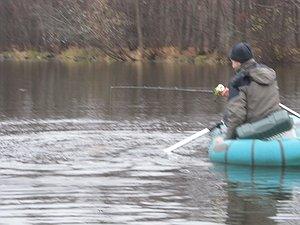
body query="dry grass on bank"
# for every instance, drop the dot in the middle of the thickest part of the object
(166, 54)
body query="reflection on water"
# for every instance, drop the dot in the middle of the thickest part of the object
(75, 152)
(261, 195)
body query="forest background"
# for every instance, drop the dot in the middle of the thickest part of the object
(196, 31)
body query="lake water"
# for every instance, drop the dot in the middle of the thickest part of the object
(75, 151)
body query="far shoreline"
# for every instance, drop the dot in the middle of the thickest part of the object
(91, 55)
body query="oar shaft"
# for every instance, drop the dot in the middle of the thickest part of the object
(289, 110)
(186, 140)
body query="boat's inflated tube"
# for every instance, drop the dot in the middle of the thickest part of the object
(276, 123)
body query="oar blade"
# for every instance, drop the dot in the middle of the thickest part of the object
(186, 140)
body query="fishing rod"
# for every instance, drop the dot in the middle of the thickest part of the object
(163, 88)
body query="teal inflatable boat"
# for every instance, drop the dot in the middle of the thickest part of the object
(283, 150)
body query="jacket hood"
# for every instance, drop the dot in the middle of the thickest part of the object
(261, 74)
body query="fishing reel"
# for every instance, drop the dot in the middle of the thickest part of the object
(219, 89)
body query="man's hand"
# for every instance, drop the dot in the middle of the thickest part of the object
(225, 93)
(219, 140)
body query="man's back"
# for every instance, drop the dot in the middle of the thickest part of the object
(255, 95)
(262, 93)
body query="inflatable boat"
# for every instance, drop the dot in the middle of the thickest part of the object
(282, 151)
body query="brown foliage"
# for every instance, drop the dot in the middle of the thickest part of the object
(120, 26)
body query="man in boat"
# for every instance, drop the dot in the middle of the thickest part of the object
(252, 92)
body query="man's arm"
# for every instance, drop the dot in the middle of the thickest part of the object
(236, 113)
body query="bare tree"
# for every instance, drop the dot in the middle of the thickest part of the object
(117, 27)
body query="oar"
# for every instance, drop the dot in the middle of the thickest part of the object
(289, 110)
(190, 138)
(186, 140)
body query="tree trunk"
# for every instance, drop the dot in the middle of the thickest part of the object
(217, 27)
(139, 29)
(234, 12)
(297, 32)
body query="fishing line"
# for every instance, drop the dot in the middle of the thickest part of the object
(163, 88)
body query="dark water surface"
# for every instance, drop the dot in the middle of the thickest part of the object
(73, 151)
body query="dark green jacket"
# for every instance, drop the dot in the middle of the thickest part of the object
(253, 95)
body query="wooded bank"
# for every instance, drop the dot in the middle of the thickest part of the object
(151, 29)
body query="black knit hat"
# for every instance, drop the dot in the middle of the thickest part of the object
(241, 52)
